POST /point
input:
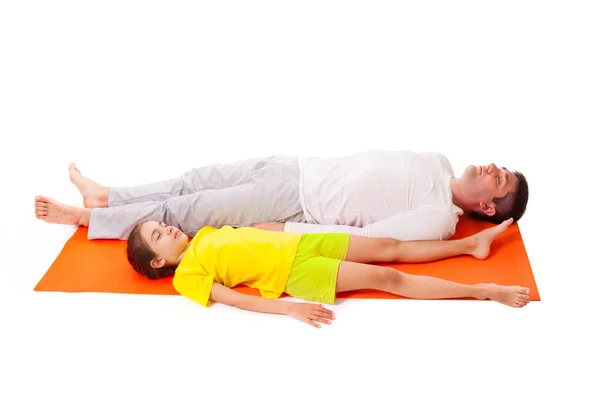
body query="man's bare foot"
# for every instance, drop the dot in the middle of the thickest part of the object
(55, 212)
(94, 194)
(481, 242)
(513, 296)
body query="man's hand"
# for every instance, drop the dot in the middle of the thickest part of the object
(270, 226)
(310, 313)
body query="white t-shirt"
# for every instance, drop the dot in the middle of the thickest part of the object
(399, 194)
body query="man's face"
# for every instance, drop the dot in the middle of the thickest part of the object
(482, 183)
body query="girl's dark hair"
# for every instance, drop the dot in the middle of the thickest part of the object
(139, 255)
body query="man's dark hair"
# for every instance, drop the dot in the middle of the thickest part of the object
(512, 205)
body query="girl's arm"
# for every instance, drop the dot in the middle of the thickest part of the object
(306, 312)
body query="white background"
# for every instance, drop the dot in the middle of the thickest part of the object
(136, 91)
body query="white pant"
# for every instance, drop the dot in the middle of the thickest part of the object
(236, 194)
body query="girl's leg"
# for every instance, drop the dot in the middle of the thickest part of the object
(374, 250)
(215, 176)
(356, 276)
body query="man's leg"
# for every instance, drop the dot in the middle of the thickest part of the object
(375, 250)
(214, 176)
(269, 194)
(55, 212)
(356, 276)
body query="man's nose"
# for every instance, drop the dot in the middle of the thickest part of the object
(492, 168)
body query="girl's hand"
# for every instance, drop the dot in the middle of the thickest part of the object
(310, 313)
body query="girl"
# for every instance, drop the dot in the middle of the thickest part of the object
(313, 267)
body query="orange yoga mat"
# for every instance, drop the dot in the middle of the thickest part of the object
(101, 266)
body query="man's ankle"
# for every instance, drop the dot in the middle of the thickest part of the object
(84, 217)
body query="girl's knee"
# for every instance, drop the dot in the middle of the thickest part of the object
(388, 277)
(389, 249)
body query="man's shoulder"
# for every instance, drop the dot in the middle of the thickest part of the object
(435, 155)
(433, 158)
(439, 162)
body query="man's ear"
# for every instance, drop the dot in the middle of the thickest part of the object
(158, 262)
(488, 209)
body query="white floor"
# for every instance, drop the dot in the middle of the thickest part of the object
(138, 91)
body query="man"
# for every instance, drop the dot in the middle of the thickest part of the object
(404, 195)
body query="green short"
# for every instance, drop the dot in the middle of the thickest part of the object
(314, 273)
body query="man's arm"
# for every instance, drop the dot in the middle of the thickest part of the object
(306, 312)
(422, 224)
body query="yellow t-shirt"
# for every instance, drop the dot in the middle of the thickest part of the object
(253, 257)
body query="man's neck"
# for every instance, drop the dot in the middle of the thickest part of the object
(458, 198)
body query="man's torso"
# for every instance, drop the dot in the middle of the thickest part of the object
(363, 188)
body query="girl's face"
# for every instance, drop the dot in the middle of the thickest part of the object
(167, 242)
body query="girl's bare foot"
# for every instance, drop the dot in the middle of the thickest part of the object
(513, 296)
(94, 194)
(55, 212)
(482, 241)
